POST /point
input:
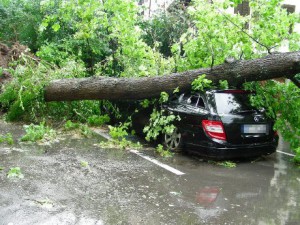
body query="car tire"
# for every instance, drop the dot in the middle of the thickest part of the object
(173, 142)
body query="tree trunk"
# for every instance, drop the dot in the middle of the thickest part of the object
(272, 66)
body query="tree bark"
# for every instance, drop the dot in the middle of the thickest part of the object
(272, 66)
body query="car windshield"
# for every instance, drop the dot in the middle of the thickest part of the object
(233, 103)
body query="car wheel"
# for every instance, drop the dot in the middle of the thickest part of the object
(173, 141)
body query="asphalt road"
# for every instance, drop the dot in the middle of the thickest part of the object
(74, 181)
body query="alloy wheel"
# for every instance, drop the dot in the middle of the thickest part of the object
(173, 141)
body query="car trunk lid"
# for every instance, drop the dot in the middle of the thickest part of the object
(242, 122)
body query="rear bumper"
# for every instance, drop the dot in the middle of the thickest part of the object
(221, 152)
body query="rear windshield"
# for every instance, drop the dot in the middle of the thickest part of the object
(233, 103)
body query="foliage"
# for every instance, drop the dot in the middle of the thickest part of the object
(19, 21)
(77, 39)
(160, 123)
(227, 164)
(236, 2)
(98, 33)
(119, 132)
(98, 120)
(23, 97)
(84, 164)
(120, 144)
(223, 84)
(72, 28)
(282, 102)
(163, 152)
(7, 138)
(164, 29)
(145, 103)
(37, 132)
(83, 129)
(164, 97)
(15, 172)
(24, 93)
(119, 137)
(217, 34)
(69, 125)
(201, 83)
(271, 25)
(297, 157)
(101, 35)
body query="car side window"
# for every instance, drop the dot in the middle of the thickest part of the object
(201, 103)
(196, 101)
(193, 100)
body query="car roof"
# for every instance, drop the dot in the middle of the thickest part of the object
(232, 91)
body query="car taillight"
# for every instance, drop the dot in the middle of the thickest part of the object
(275, 133)
(214, 129)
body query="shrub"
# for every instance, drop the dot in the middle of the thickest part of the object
(37, 132)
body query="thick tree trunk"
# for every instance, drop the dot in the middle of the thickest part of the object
(238, 72)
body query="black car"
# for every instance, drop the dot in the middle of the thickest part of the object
(220, 124)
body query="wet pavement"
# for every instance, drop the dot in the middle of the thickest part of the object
(74, 181)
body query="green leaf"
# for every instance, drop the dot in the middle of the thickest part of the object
(164, 97)
(56, 27)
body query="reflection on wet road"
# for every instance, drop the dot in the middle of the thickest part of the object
(117, 187)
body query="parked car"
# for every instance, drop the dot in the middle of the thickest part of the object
(220, 124)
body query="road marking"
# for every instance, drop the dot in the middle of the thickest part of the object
(166, 167)
(169, 168)
(289, 154)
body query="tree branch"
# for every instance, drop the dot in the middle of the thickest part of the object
(243, 31)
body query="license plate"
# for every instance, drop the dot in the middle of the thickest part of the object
(254, 129)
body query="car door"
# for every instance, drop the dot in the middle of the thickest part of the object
(196, 112)
(192, 109)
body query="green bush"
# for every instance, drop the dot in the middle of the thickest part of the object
(98, 120)
(19, 21)
(69, 125)
(23, 97)
(282, 103)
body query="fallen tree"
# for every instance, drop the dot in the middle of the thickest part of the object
(237, 72)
